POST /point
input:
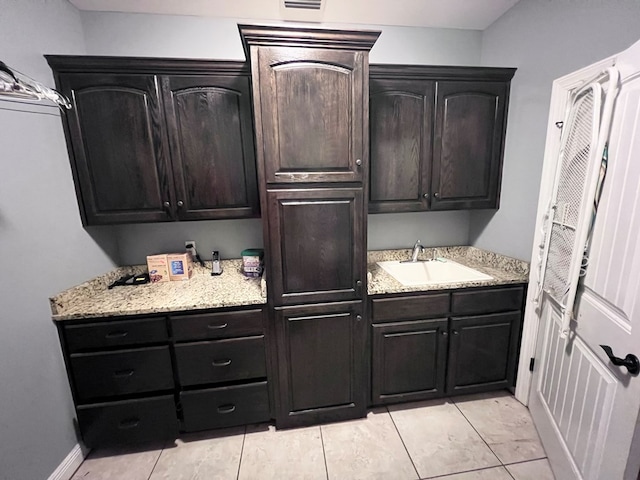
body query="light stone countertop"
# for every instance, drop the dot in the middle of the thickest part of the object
(504, 270)
(93, 299)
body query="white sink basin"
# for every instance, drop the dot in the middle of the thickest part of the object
(428, 273)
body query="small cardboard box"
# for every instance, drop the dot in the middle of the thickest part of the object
(158, 267)
(180, 266)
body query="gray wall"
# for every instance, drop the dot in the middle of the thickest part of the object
(44, 247)
(217, 38)
(545, 40)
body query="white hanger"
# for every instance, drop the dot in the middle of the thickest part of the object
(14, 84)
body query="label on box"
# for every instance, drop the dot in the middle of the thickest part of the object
(158, 268)
(180, 266)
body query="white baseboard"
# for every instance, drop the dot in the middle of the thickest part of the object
(70, 464)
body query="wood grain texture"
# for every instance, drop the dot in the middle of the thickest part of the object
(409, 360)
(118, 148)
(311, 108)
(211, 141)
(318, 241)
(468, 144)
(482, 352)
(321, 363)
(401, 121)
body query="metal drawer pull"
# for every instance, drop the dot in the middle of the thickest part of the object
(217, 327)
(123, 373)
(226, 408)
(117, 334)
(129, 423)
(221, 363)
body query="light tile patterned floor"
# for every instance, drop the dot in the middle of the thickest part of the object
(474, 437)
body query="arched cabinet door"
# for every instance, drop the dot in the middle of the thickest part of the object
(119, 153)
(468, 144)
(400, 126)
(312, 107)
(211, 143)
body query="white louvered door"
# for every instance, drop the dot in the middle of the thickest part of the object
(585, 408)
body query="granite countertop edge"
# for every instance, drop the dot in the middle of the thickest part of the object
(92, 299)
(504, 270)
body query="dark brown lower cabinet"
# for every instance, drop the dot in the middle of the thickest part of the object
(143, 379)
(482, 352)
(128, 421)
(225, 406)
(321, 357)
(416, 356)
(409, 360)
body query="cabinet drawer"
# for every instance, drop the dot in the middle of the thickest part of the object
(225, 406)
(486, 301)
(129, 421)
(119, 333)
(221, 360)
(123, 372)
(409, 308)
(217, 325)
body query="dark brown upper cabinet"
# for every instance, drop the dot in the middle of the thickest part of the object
(400, 130)
(437, 137)
(468, 144)
(310, 104)
(317, 240)
(211, 145)
(155, 140)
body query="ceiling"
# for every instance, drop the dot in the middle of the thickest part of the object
(463, 14)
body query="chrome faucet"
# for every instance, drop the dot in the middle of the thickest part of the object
(417, 248)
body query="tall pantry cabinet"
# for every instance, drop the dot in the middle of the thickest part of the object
(310, 95)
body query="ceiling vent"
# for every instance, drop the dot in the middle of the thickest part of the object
(304, 4)
(302, 10)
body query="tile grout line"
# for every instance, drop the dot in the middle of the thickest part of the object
(447, 475)
(402, 440)
(244, 436)
(155, 464)
(324, 454)
(479, 434)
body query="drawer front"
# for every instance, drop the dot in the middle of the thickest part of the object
(225, 406)
(487, 301)
(130, 421)
(409, 308)
(221, 360)
(108, 334)
(217, 325)
(121, 373)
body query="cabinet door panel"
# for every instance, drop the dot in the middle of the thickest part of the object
(409, 360)
(482, 352)
(211, 140)
(119, 150)
(469, 130)
(321, 363)
(317, 243)
(312, 109)
(400, 132)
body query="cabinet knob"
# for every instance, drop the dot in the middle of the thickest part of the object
(444, 334)
(358, 283)
(437, 195)
(358, 162)
(180, 203)
(166, 204)
(358, 317)
(425, 195)
(455, 332)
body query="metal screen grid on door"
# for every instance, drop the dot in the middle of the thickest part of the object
(569, 197)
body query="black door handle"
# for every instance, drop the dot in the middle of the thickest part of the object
(630, 361)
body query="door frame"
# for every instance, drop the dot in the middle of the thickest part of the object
(560, 96)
